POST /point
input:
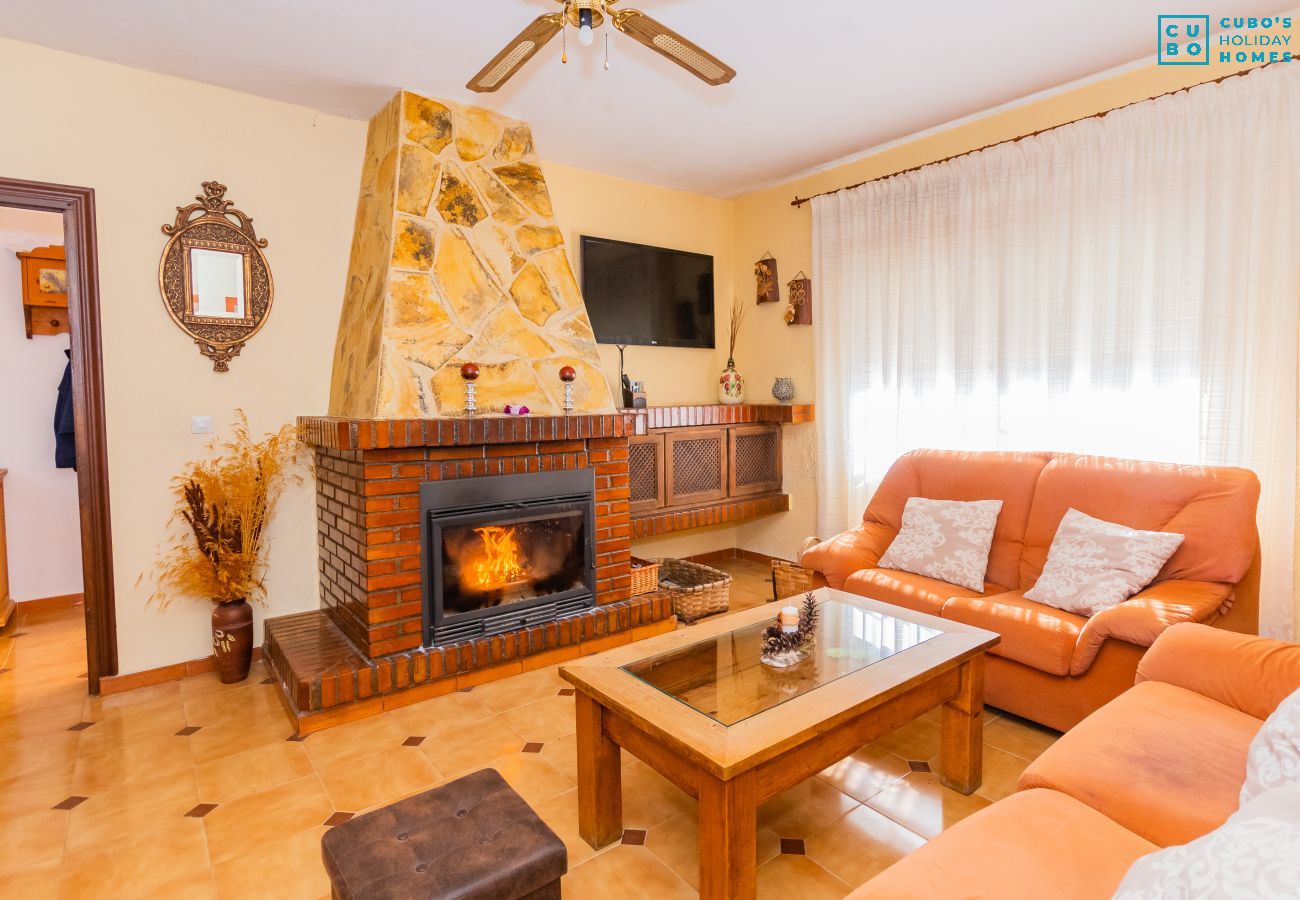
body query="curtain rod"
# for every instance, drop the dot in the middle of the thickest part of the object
(800, 201)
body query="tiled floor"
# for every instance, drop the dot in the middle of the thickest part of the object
(193, 789)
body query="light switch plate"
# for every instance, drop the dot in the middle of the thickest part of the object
(200, 424)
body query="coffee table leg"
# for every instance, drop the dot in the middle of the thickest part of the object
(600, 785)
(728, 838)
(961, 755)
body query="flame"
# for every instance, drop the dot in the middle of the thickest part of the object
(502, 561)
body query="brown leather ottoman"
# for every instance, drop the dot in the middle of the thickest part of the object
(472, 839)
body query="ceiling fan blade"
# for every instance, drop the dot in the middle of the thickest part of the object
(506, 63)
(663, 40)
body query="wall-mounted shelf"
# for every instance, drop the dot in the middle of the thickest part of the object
(695, 466)
(45, 291)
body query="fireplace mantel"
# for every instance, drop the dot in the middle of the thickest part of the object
(340, 433)
(336, 433)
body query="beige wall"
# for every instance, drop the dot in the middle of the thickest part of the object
(144, 142)
(601, 206)
(766, 222)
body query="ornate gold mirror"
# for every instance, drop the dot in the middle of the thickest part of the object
(213, 276)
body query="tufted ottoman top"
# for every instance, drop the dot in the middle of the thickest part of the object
(471, 839)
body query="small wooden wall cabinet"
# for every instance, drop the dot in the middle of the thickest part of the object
(45, 291)
(707, 465)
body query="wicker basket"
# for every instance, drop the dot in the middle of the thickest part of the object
(645, 576)
(696, 590)
(790, 579)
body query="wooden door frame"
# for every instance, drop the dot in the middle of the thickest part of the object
(77, 206)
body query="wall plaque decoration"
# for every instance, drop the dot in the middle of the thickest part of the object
(213, 276)
(769, 289)
(799, 310)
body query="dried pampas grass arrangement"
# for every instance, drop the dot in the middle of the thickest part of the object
(222, 507)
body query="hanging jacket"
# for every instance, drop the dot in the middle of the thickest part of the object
(65, 440)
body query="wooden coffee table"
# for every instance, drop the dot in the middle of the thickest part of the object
(699, 707)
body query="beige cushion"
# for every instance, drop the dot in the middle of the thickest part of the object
(1256, 853)
(1093, 564)
(945, 539)
(1273, 759)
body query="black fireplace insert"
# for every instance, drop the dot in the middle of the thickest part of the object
(505, 552)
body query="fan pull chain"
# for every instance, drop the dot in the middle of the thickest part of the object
(607, 18)
(564, 36)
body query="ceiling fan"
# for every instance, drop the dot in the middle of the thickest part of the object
(586, 16)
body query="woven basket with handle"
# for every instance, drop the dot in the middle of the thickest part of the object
(696, 590)
(645, 576)
(790, 579)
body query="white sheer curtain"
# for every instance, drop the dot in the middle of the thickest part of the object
(1125, 286)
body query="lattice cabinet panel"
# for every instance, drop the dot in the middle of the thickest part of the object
(696, 462)
(755, 459)
(645, 464)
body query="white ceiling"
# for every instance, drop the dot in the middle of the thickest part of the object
(817, 81)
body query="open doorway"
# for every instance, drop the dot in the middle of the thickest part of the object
(56, 548)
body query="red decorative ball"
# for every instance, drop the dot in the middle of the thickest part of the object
(568, 373)
(469, 371)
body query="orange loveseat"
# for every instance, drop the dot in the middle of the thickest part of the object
(1052, 666)
(1162, 764)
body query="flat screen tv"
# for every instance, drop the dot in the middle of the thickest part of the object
(647, 295)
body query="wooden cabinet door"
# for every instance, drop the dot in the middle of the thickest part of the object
(645, 469)
(696, 461)
(754, 453)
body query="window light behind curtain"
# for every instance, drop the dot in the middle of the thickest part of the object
(1123, 286)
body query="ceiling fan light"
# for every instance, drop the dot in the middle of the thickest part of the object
(585, 35)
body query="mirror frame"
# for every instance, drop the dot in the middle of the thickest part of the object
(214, 223)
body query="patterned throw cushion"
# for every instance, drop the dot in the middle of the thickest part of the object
(1094, 564)
(1274, 756)
(945, 539)
(1256, 854)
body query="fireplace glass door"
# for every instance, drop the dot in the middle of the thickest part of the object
(507, 552)
(496, 560)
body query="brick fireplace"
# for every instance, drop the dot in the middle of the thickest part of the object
(369, 647)
(457, 258)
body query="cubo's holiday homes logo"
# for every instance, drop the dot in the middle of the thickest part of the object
(1184, 41)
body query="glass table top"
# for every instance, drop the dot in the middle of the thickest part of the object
(724, 679)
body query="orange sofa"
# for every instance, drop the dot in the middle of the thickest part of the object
(1162, 764)
(1052, 666)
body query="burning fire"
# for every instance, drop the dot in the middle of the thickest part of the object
(502, 561)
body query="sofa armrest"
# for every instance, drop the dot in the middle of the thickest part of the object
(839, 557)
(1248, 673)
(1143, 617)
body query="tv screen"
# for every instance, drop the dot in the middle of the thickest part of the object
(647, 295)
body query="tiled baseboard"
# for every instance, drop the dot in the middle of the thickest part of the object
(733, 553)
(117, 684)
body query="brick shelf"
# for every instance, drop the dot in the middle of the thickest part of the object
(325, 680)
(664, 521)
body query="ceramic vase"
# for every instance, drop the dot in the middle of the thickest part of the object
(731, 386)
(232, 639)
(783, 390)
